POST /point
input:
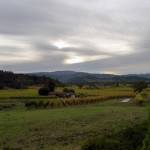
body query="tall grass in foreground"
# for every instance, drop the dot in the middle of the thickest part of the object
(146, 143)
(127, 139)
(130, 138)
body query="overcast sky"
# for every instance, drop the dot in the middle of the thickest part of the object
(97, 36)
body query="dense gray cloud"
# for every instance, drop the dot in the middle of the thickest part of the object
(109, 36)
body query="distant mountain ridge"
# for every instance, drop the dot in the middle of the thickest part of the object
(66, 76)
(147, 75)
(83, 77)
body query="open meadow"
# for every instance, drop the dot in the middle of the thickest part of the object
(64, 128)
(33, 92)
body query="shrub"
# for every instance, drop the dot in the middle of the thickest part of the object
(58, 104)
(7, 106)
(52, 104)
(45, 104)
(103, 143)
(139, 99)
(146, 142)
(30, 104)
(43, 91)
(128, 139)
(66, 90)
(63, 103)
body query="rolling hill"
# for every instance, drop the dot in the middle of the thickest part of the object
(83, 77)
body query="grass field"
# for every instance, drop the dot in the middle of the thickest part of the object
(65, 128)
(33, 92)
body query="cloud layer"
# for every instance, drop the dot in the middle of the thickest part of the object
(82, 35)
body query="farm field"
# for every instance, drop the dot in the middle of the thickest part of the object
(65, 128)
(33, 92)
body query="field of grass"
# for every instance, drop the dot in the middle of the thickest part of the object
(64, 128)
(19, 93)
(33, 92)
(103, 92)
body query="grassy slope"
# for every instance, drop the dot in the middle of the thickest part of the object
(66, 127)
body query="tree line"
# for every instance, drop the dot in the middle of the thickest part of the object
(9, 79)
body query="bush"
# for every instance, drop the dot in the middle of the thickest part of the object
(7, 106)
(30, 104)
(105, 144)
(139, 99)
(66, 90)
(128, 139)
(39, 104)
(146, 142)
(43, 91)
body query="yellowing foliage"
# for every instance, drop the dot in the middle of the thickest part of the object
(139, 97)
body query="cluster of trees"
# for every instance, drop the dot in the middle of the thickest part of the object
(48, 87)
(139, 86)
(21, 81)
(141, 97)
(98, 84)
(10, 80)
(67, 90)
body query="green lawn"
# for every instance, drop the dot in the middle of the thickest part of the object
(64, 128)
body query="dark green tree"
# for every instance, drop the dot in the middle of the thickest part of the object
(22, 81)
(51, 85)
(43, 91)
(139, 86)
(1, 86)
